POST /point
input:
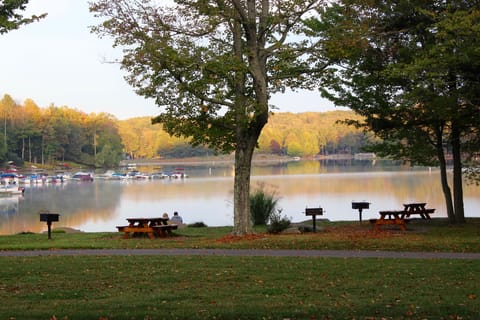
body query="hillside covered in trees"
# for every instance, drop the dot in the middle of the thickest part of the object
(293, 134)
(55, 135)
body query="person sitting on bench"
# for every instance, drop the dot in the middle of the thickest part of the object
(176, 218)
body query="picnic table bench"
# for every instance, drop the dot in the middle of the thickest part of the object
(152, 227)
(417, 208)
(390, 218)
(399, 217)
(163, 230)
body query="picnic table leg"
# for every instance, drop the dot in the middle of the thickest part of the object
(400, 222)
(377, 224)
(427, 216)
(160, 232)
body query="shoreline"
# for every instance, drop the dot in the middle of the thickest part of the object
(226, 159)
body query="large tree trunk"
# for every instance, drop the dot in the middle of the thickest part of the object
(243, 150)
(457, 176)
(241, 211)
(443, 176)
(250, 118)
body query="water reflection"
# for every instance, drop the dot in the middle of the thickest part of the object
(208, 195)
(9, 205)
(77, 202)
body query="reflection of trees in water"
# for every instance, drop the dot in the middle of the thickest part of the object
(157, 190)
(77, 202)
(400, 187)
(8, 210)
(9, 205)
(325, 166)
(400, 184)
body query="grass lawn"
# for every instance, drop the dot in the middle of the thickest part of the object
(221, 287)
(422, 235)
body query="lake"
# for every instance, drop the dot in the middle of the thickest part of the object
(207, 194)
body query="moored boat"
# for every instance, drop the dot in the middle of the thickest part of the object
(11, 190)
(82, 176)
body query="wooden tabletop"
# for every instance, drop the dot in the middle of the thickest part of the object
(150, 221)
(390, 213)
(415, 204)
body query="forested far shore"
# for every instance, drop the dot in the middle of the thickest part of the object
(54, 134)
(306, 134)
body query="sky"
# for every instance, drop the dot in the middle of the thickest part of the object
(59, 61)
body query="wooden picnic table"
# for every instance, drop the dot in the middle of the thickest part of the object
(417, 208)
(390, 218)
(398, 217)
(152, 227)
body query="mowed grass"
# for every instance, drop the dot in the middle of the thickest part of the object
(422, 235)
(216, 287)
(226, 287)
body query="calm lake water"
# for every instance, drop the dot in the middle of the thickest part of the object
(207, 195)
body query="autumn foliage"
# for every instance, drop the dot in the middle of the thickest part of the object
(54, 134)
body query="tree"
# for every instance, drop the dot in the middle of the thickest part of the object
(7, 109)
(10, 19)
(212, 66)
(108, 142)
(411, 69)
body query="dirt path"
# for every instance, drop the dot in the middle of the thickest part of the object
(245, 252)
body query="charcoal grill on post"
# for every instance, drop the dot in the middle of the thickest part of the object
(360, 205)
(49, 217)
(314, 212)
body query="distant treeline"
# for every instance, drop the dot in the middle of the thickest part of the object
(293, 134)
(56, 135)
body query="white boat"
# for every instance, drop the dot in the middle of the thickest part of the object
(135, 174)
(158, 175)
(179, 173)
(8, 178)
(112, 175)
(11, 190)
(33, 179)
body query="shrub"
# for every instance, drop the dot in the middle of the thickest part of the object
(278, 223)
(197, 225)
(262, 205)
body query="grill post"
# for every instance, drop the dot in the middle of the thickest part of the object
(360, 205)
(49, 217)
(314, 212)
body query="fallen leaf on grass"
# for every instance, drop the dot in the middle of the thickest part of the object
(233, 238)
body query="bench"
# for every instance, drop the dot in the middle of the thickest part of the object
(417, 208)
(389, 218)
(136, 230)
(163, 229)
(425, 213)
